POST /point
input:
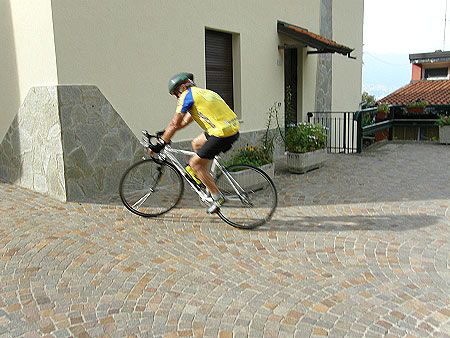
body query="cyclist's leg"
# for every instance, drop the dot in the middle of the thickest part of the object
(207, 147)
(199, 163)
(198, 142)
(200, 166)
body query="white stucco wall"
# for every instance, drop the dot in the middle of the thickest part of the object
(129, 49)
(347, 30)
(9, 79)
(130, 52)
(27, 53)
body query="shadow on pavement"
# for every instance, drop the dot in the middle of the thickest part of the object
(351, 223)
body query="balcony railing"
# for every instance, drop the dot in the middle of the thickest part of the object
(347, 130)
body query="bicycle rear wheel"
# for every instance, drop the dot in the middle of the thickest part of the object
(256, 201)
(149, 188)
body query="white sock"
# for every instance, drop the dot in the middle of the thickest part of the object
(217, 196)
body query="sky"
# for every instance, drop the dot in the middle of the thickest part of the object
(393, 29)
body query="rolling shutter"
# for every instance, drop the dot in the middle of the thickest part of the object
(219, 64)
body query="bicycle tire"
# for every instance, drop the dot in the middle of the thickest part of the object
(261, 193)
(151, 188)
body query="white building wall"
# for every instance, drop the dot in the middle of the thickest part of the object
(129, 49)
(27, 53)
(130, 52)
(347, 30)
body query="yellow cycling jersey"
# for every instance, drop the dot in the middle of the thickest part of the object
(209, 110)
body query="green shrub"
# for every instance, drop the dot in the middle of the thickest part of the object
(305, 137)
(383, 108)
(417, 104)
(258, 155)
(253, 155)
(443, 121)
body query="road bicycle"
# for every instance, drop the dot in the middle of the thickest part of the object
(154, 185)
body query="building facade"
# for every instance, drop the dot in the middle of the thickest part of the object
(430, 83)
(129, 50)
(430, 66)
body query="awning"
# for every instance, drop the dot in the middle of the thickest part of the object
(307, 38)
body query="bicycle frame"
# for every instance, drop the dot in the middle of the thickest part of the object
(167, 154)
(139, 182)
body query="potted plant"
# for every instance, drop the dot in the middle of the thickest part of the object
(382, 111)
(417, 106)
(260, 155)
(382, 115)
(443, 122)
(305, 147)
(257, 156)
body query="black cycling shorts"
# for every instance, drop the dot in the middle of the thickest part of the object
(215, 145)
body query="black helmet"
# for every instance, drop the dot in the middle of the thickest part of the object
(179, 79)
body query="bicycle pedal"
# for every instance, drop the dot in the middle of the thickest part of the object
(213, 209)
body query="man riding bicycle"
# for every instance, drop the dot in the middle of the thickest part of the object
(219, 122)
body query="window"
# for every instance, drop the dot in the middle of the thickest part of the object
(436, 73)
(219, 64)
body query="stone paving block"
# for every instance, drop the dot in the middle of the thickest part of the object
(343, 253)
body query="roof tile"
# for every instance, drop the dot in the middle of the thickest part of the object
(315, 36)
(432, 91)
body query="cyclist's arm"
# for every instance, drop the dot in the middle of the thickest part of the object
(187, 119)
(178, 122)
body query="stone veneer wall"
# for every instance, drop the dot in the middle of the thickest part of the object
(97, 144)
(68, 142)
(325, 65)
(31, 153)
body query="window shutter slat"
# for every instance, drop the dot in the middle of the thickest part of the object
(219, 64)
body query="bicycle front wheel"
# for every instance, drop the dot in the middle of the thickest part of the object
(149, 188)
(250, 196)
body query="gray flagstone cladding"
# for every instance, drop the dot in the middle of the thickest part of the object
(68, 142)
(325, 62)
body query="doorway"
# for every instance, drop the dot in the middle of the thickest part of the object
(290, 86)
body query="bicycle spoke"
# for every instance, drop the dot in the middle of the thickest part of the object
(149, 189)
(141, 200)
(249, 202)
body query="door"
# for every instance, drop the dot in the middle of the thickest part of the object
(290, 86)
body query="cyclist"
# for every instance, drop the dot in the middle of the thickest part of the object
(219, 122)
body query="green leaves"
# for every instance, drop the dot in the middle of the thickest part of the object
(443, 121)
(263, 154)
(253, 155)
(305, 137)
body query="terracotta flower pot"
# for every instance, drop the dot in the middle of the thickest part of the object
(381, 116)
(416, 110)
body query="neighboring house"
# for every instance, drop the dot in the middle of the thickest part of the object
(430, 82)
(250, 51)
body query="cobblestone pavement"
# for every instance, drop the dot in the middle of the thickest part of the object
(357, 248)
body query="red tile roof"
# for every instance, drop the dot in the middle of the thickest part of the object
(432, 91)
(313, 40)
(315, 36)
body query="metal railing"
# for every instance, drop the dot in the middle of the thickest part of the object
(346, 130)
(393, 120)
(341, 130)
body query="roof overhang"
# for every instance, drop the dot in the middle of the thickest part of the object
(437, 56)
(307, 38)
